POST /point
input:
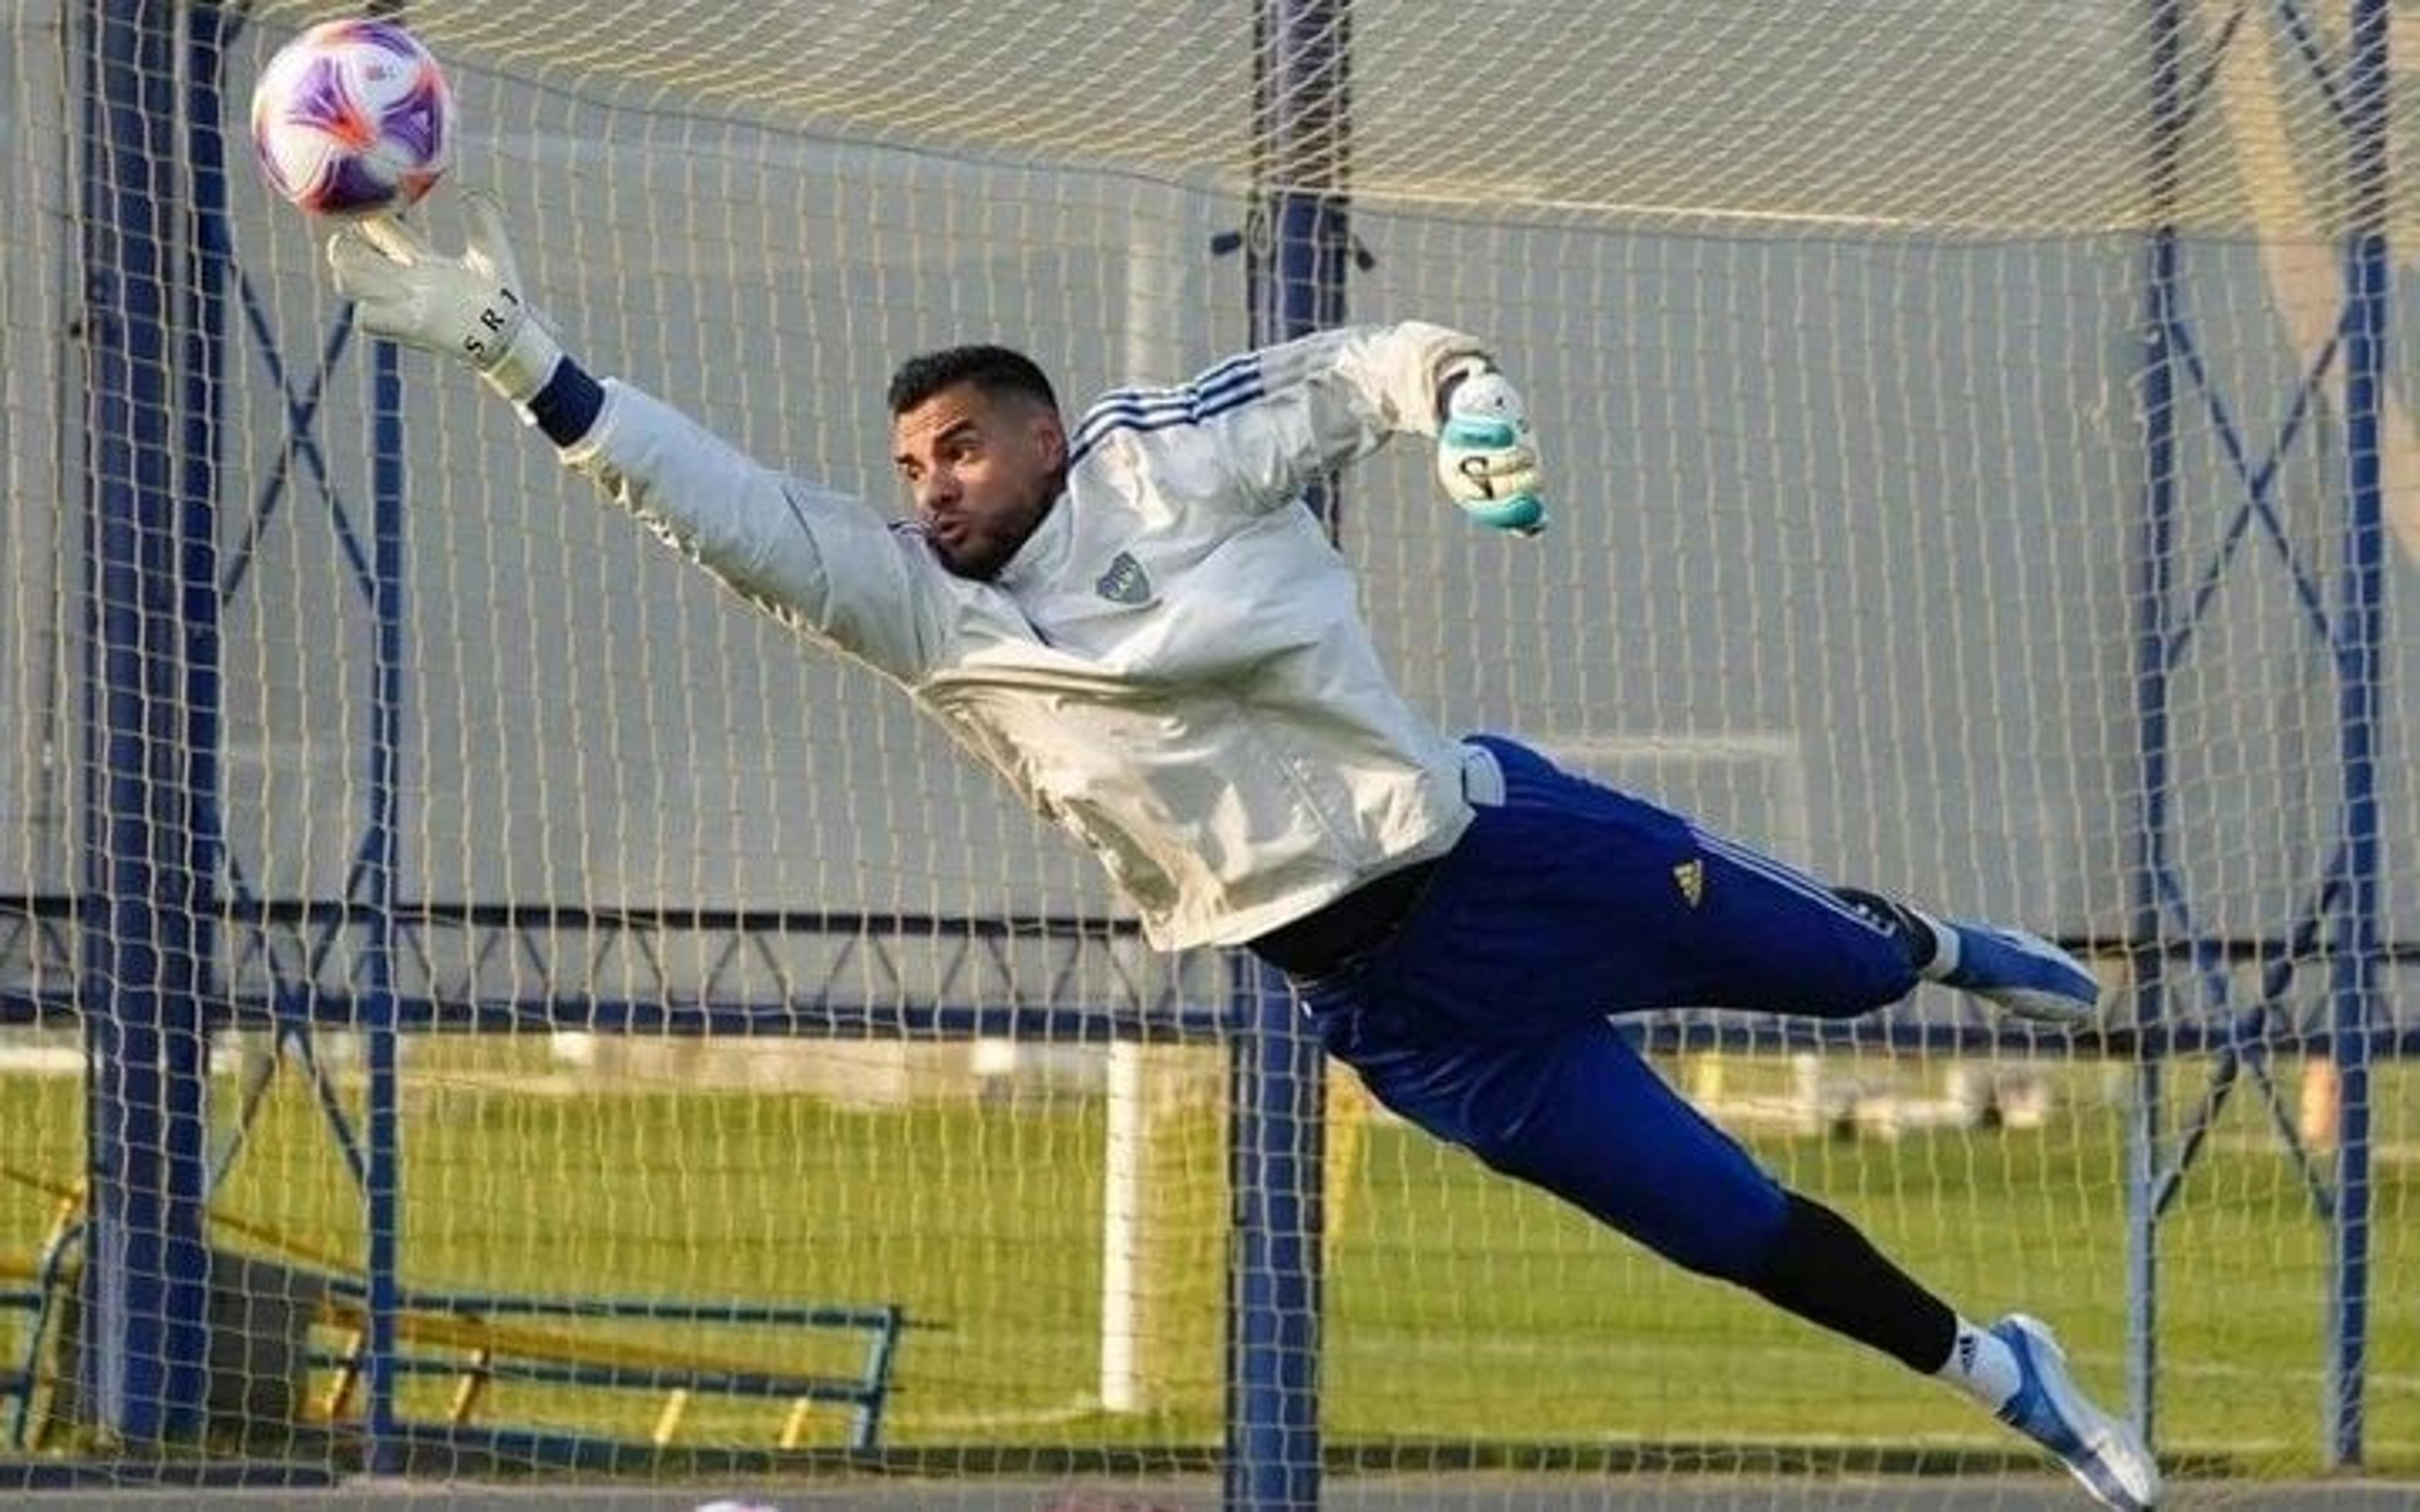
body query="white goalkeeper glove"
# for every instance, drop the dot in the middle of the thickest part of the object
(1486, 458)
(470, 307)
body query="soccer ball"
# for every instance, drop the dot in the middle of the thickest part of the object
(353, 118)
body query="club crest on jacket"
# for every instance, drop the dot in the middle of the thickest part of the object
(1126, 582)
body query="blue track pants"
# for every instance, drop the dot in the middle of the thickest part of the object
(1483, 1018)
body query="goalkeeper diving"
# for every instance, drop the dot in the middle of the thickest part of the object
(1131, 619)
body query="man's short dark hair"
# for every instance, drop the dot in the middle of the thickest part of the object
(999, 372)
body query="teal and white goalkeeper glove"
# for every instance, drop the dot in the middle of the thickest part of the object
(1486, 458)
(470, 307)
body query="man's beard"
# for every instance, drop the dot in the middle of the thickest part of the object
(982, 561)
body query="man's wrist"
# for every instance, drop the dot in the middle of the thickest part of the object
(566, 407)
(528, 360)
(1453, 373)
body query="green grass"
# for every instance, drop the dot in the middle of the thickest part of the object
(1460, 1308)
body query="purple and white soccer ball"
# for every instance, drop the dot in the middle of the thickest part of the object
(353, 118)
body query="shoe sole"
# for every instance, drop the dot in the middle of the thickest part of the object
(2109, 1442)
(2041, 1005)
(2044, 1008)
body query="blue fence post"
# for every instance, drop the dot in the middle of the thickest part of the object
(381, 853)
(2148, 958)
(1297, 251)
(205, 386)
(1276, 1155)
(143, 1363)
(2360, 632)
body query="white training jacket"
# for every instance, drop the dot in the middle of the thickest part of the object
(1173, 669)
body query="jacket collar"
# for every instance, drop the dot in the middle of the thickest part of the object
(1044, 556)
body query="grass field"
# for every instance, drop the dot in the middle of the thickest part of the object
(1461, 1309)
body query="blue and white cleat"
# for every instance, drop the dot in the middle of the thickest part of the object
(2020, 972)
(2101, 1451)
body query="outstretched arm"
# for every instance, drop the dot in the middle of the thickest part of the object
(1285, 416)
(822, 563)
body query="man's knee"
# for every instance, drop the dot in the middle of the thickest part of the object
(1716, 1213)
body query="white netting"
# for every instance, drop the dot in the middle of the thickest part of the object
(1994, 117)
(1833, 317)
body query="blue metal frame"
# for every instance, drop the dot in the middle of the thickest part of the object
(380, 857)
(2361, 633)
(1296, 255)
(147, 1328)
(381, 854)
(294, 967)
(2343, 906)
(160, 860)
(951, 977)
(158, 849)
(866, 1395)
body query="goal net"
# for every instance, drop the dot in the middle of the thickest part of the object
(626, 1040)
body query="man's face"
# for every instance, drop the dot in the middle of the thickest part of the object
(982, 471)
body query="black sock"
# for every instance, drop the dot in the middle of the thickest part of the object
(1827, 1273)
(1896, 916)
